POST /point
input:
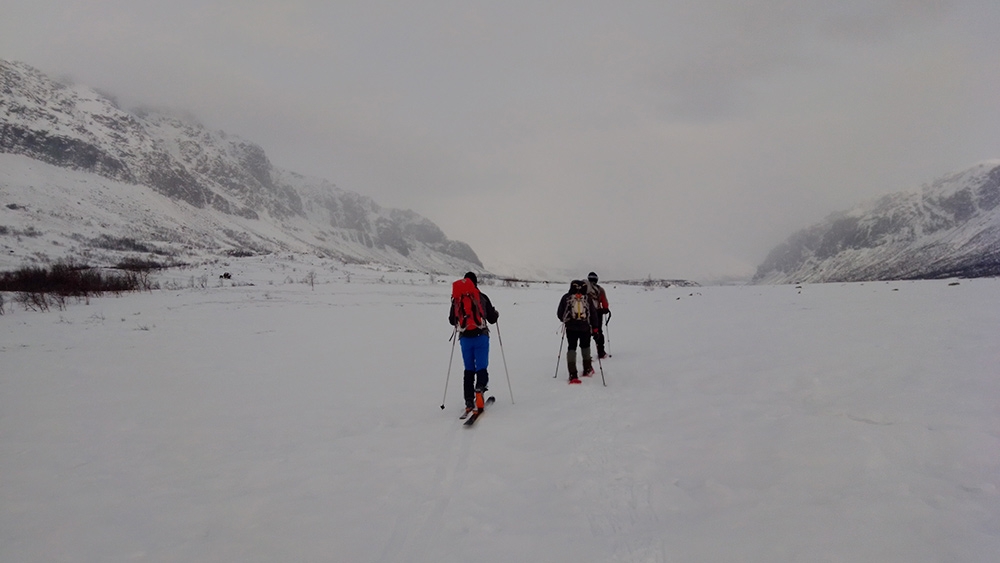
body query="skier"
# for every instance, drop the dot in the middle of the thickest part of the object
(576, 311)
(600, 299)
(470, 311)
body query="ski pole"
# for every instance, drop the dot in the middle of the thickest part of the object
(450, 358)
(502, 355)
(559, 356)
(600, 365)
(607, 333)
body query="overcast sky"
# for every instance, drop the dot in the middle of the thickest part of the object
(671, 138)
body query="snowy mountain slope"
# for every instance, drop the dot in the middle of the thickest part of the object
(948, 228)
(49, 212)
(277, 422)
(227, 196)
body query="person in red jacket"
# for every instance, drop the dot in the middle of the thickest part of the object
(600, 300)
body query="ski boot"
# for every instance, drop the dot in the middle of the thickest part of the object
(588, 363)
(571, 366)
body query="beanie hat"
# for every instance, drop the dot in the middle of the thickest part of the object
(472, 276)
(592, 277)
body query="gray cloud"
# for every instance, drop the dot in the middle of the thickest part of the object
(678, 139)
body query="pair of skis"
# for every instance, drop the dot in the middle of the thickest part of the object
(470, 416)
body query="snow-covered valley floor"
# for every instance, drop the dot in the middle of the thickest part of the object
(283, 422)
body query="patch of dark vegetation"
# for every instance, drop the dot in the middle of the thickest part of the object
(240, 253)
(124, 244)
(135, 264)
(37, 288)
(28, 232)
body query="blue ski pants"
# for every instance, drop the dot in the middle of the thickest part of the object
(475, 352)
(476, 355)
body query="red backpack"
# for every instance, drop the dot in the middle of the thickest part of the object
(466, 305)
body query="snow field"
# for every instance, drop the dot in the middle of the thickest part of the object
(277, 422)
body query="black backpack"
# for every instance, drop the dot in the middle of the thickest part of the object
(578, 304)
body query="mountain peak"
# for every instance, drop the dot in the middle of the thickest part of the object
(950, 227)
(210, 177)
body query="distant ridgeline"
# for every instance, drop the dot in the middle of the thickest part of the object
(508, 281)
(649, 282)
(235, 201)
(949, 228)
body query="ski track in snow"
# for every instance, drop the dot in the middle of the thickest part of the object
(417, 528)
(626, 518)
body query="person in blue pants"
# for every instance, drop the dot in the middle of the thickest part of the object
(475, 344)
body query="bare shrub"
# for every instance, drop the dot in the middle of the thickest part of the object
(32, 300)
(144, 281)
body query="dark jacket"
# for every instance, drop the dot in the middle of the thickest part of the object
(600, 300)
(577, 325)
(489, 313)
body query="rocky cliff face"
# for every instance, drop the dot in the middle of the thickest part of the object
(209, 173)
(948, 228)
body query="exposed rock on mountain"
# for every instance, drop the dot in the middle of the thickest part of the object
(227, 196)
(946, 229)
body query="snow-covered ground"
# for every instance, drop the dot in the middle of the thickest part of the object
(286, 422)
